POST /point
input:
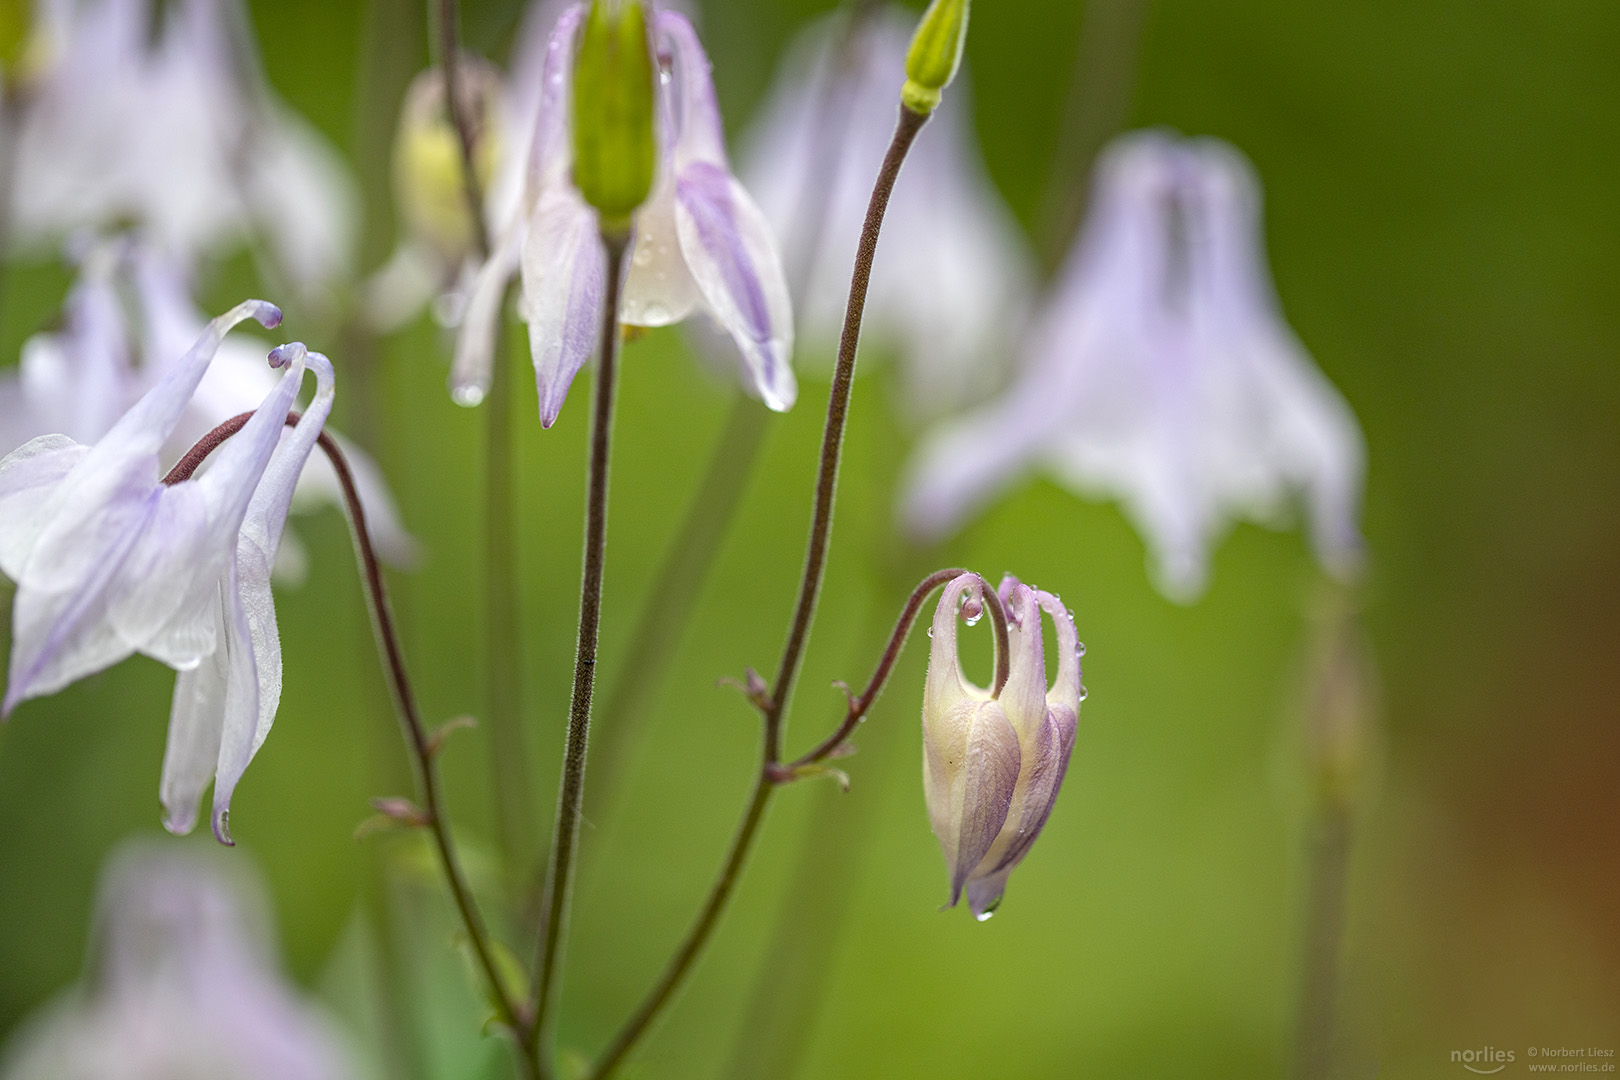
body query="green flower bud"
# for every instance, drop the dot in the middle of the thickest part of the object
(615, 148)
(935, 54)
(428, 185)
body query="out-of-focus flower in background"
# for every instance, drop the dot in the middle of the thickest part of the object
(953, 273)
(701, 244)
(1160, 372)
(439, 243)
(993, 760)
(125, 112)
(181, 982)
(110, 559)
(127, 320)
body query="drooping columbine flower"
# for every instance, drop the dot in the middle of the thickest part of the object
(181, 982)
(127, 319)
(992, 763)
(955, 273)
(109, 560)
(156, 115)
(1161, 372)
(701, 244)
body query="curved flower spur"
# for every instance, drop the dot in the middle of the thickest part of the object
(111, 560)
(701, 243)
(993, 760)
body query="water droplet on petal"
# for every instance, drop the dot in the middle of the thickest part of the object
(973, 619)
(467, 395)
(643, 255)
(654, 315)
(984, 916)
(1083, 693)
(930, 631)
(1079, 648)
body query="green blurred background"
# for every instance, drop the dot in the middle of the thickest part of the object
(1444, 228)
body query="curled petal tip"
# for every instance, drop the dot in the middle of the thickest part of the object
(266, 313)
(180, 824)
(292, 352)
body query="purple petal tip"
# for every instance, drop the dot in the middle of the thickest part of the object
(267, 314)
(282, 355)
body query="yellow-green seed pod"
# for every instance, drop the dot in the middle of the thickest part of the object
(935, 54)
(615, 147)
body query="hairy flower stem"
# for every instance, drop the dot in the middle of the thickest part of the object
(910, 123)
(570, 800)
(422, 746)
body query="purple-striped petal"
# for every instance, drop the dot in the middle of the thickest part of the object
(564, 274)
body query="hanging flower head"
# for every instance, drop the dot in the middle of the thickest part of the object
(993, 760)
(701, 244)
(157, 114)
(111, 558)
(181, 982)
(1161, 372)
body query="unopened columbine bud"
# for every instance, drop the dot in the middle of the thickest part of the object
(935, 54)
(615, 148)
(428, 185)
(993, 761)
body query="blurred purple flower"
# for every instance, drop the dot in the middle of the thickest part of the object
(954, 272)
(79, 380)
(701, 244)
(175, 129)
(181, 982)
(1161, 372)
(109, 560)
(992, 764)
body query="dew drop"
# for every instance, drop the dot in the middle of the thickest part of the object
(984, 916)
(930, 631)
(643, 255)
(1079, 648)
(1083, 693)
(467, 396)
(973, 619)
(654, 315)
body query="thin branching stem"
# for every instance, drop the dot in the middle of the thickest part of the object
(571, 798)
(774, 709)
(422, 746)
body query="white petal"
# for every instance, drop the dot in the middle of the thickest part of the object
(659, 290)
(196, 719)
(30, 477)
(239, 732)
(564, 274)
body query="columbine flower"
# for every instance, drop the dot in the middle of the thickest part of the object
(157, 116)
(701, 244)
(954, 273)
(992, 763)
(1161, 372)
(78, 381)
(110, 560)
(181, 982)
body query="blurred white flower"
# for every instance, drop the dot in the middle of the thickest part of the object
(953, 274)
(181, 984)
(1160, 372)
(176, 130)
(701, 244)
(127, 319)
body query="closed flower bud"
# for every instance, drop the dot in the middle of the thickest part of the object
(993, 761)
(936, 53)
(615, 149)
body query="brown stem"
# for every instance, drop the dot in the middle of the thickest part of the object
(449, 60)
(860, 705)
(832, 441)
(416, 736)
(815, 565)
(570, 800)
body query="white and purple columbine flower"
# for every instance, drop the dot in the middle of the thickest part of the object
(181, 981)
(78, 380)
(1161, 372)
(955, 273)
(110, 560)
(132, 111)
(993, 762)
(701, 244)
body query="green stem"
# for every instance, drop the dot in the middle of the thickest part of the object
(1329, 859)
(570, 800)
(910, 123)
